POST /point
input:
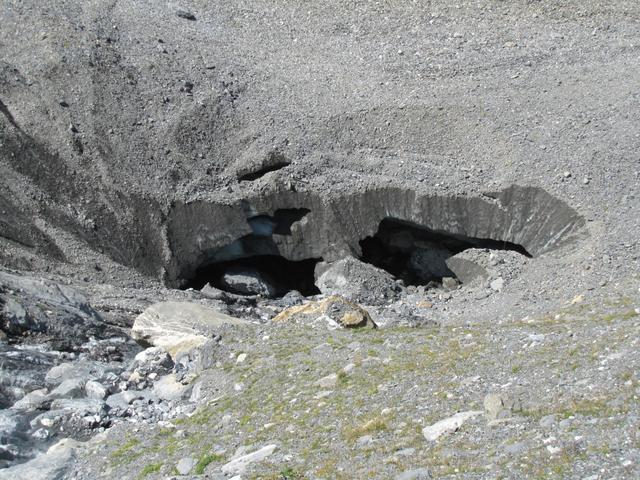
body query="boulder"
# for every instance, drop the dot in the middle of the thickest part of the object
(15, 444)
(35, 400)
(334, 311)
(83, 369)
(428, 262)
(357, 281)
(169, 388)
(153, 359)
(179, 327)
(30, 305)
(53, 465)
(476, 265)
(22, 370)
(95, 390)
(71, 388)
(247, 281)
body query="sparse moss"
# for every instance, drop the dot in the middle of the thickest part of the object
(125, 453)
(375, 424)
(204, 461)
(149, 469)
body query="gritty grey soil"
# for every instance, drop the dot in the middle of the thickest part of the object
(143, 140)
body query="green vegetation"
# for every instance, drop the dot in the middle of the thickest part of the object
(149, 469)
(126, 454)
(205, 460)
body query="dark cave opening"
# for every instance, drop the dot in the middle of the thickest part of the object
(253, 264)
(418, 255)
(267, 275)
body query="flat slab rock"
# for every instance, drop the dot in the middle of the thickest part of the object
(240, 464)
(179, 327)
(448, 425)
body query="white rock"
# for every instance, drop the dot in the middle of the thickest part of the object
(448, 425)
(328, 381)
(178, 327)
(168, 388)
(185, 465)
(497, 284)
(241, 358)
(240, 464)
(94, 389)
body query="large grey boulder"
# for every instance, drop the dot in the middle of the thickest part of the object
(84, 370)
(30, 305)
(428, 262)
(53, 465)
(477, 265)
(247, 281)
(179, 327)
(357, 281)
(22, 370)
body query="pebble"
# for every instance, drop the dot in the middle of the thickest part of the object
(548, 421)
(497, 284)
(186, 15)
(417, 474)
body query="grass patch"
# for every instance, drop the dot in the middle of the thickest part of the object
(204, 461)
(149, 469)
(125, 453)
(375, 424)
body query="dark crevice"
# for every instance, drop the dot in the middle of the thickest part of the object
(274, 161)
(418, 255)
(277, 273)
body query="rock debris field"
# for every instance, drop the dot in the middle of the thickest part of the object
(319, 240)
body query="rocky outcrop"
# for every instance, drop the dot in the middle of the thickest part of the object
(358, 282)
(31, 306)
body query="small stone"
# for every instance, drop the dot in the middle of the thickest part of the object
(94, 389)
(516, 448)
(493, 405)
(329, 381)
(566, 174)
(406, 452)
(186, 15)
(449, 283)
(241, 358)
(417, 474)
(577, 299)
(497, 284)
(348, 368)
(448, 425)
(548, 421)
(185, 465)
(585, 180)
